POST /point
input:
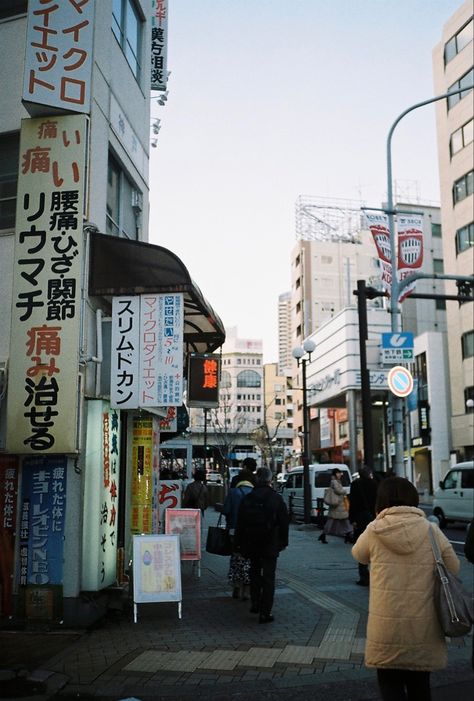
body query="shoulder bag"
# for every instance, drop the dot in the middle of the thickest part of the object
(330, 497)
(453, 604)
(218, 540)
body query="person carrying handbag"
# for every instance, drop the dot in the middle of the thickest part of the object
(337, 522)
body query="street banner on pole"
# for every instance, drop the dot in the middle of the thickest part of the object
(378, 225)
(410, 248)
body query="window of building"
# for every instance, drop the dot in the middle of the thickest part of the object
(458, 42)
(421, 372)
(9, 148)
(326, 260)
(126, 25)
(466, 79)
(226, 380)
(464, 238)
(463, 187)
(249, 378)
(9, 8)
(461, 137)
(438, 267)
(436, 230)
(121, 215)
(469, 399)
(467, 344)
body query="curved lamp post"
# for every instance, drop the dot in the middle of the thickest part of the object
(298, 353)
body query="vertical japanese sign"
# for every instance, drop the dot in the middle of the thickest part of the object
(99, 555)
(161, 350)
(378, 225)
(58, 58)
(42, 520)
(203, 381)
(410, 248)
(47, 287)
(159, 44)
(125, 351)
(142, 475)
(8, 503)
(169, 497)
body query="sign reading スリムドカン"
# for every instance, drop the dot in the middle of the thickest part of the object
(44, 349)
(58, 58)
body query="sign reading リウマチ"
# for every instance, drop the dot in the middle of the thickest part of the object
(397, 347)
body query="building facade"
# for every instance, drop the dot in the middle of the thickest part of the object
(453, 69)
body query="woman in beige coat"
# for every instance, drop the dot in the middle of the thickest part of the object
(337, 522)
(404, 639)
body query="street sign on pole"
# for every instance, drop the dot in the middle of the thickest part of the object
(400, 381)
(397, 347)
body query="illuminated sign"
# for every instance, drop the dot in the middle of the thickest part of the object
(203, 381)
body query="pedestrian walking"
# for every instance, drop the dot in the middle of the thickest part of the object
(469, 553)
(239, 566)
(362, 496)
(404, 638)
(261, 534)
(196, 495)
(337, 522)
(247, 472)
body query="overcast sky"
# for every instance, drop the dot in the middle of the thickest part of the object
(272, 99)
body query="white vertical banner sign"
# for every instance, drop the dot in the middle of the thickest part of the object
(378, 225)
(44, 347)
(170, 349)
(159, 44)
(124, 385)
(149, 350)
(410, 248)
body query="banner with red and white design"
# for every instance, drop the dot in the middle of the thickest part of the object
(410, 248)
(377, 222)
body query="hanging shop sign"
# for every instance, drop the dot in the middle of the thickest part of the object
(44, 346)
(58, 58)
(101, 496)
(147, 351)
(203, 381)
(159, 44)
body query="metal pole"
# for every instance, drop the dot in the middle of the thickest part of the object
(394, 308)
(205, 444)
(306, 484)
(365, 376)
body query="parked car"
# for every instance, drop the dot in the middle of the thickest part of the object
(454, 498)
(319, 479)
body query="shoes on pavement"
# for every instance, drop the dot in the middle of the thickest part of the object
(348, 538)
(362, 583)
(266, 618)
(322, 538)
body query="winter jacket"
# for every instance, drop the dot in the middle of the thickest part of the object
(196, 496)
(402, 629)
(232, 503)
(274, 541)
(339, 511)
(362, 496)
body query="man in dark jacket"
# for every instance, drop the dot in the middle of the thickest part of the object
(362, 496)
(261, 534)
(247, 472)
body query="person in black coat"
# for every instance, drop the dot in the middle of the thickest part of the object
(362, 496)
(261, 534)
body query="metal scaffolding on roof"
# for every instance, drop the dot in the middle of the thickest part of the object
(328, 219)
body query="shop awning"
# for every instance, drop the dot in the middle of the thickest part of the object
(119, 266)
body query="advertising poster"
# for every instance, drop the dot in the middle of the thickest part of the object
(156, 570)
(159, 44)
(101, 496)
(410, 248)
(8, 504)
(142, 475)
(125, 352)
(44, 346)
(185, 523)
(378, 225)
(169, 497)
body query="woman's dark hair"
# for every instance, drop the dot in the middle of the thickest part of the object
(199, 475)
(336, 471)
(396, 491)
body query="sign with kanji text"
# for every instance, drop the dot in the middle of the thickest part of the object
(397, 347)
(186, 523)
(203, 380)
(159, 44)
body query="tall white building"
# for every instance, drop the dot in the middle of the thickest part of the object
(453, 69)
(285, 359)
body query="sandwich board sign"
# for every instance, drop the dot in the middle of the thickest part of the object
(156, 570)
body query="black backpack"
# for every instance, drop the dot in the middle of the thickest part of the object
(257, 519)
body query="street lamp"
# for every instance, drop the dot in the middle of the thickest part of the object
(298, 353)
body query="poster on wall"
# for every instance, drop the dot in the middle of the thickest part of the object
(142, 475)
(8, 506)
(156, 570)
(44, 346)
(101, 494)
(185, 523)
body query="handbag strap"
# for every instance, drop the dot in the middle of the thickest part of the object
(441, 567)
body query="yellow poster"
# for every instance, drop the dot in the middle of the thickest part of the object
(142, 475)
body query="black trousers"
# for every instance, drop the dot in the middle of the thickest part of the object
(262, 582)
(404, 685)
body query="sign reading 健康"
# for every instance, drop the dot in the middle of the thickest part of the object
(203, 380)
(43, 373)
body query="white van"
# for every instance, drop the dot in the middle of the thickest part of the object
(319, 479)
(454, 498)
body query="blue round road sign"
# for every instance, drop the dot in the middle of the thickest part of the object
(400, 381)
